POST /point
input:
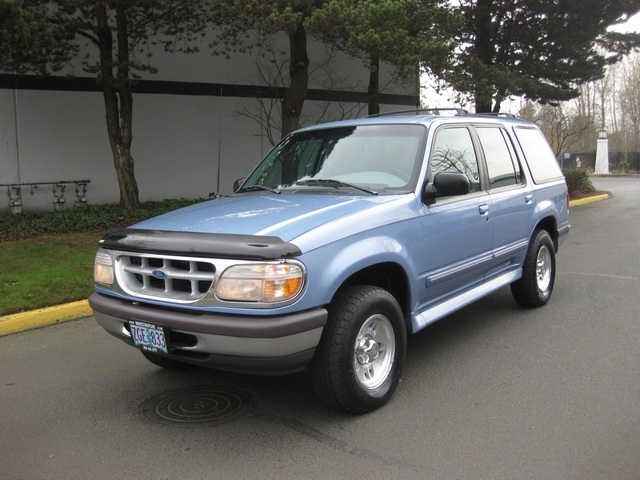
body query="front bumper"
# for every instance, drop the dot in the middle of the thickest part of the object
(263, 345)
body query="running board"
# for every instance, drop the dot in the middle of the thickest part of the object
(456, 303)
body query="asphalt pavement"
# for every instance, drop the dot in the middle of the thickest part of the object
(491, 392)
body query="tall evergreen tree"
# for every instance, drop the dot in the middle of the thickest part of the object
(235, 19)
(404, 33)
(44, 34)
(28, 41)
(539, 49)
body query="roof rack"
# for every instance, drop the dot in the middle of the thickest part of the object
(496, 114)
(433, 111)
(438, 111)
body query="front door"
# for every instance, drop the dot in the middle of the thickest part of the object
(457, 230)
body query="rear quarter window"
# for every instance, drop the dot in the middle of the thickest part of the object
(542, 163)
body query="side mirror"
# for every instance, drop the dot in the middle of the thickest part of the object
(446, 184)
(237, 184)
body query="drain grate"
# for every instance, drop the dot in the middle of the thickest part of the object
(198, 406)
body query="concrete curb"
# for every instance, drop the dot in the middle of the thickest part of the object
(44, 316)
(588, 200)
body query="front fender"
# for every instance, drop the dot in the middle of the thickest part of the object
(343, 259)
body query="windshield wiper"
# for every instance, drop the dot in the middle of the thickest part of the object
(335, 184)
(259, 187)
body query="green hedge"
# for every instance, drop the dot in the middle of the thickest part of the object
(103, 217)
(578, 181)
(89, 217)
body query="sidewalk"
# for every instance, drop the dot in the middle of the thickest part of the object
(62, 313)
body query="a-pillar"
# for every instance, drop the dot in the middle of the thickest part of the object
(602, 153)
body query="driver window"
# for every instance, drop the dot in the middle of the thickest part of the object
(453, 152)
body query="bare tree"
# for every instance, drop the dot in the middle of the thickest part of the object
(564, 126)
(629, 100)
(272, 73)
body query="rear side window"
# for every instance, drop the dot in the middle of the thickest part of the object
(502, 166)
(542, 162)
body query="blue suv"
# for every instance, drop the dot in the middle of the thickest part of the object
(346, 238)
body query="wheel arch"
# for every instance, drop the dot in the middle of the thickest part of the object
(379, 261)
(389, 276)
(550, 225)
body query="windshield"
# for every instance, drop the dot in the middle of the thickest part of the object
(369, 157)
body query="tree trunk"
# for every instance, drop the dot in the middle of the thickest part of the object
(296, 93)
(118, 102)
(374, 84)
(483, 102)
(484, 49)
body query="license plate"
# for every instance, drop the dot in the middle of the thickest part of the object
(149, 337)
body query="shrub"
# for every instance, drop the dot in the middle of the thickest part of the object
(623, 166)
(578, 181)
(89, 217)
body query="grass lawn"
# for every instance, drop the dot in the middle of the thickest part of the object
(46, 259)
(46, 270)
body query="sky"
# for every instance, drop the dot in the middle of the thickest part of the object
(631, 25)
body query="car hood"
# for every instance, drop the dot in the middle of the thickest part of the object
(284, 216)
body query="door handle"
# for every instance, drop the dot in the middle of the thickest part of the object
(484, 209)
(528, 198)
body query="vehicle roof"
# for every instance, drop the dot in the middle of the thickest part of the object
(415, 117)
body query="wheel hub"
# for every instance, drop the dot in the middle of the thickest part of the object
(374, 351)
(368, 350)
(543, 269)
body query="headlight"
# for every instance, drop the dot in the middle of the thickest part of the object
(103, 268)
(260, 282)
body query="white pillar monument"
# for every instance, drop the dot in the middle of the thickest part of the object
(602, 153)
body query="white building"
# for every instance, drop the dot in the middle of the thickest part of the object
(193, 128)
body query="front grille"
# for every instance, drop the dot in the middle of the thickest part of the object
(169, 278)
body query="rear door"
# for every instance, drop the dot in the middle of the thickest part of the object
(512, 199)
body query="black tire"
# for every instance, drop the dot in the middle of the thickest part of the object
(538, 272)
(166, 362)
(359, 360)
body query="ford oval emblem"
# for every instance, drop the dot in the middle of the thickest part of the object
(161, 274)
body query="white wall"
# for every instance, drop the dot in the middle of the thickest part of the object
(180, 142)
(8, 142)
